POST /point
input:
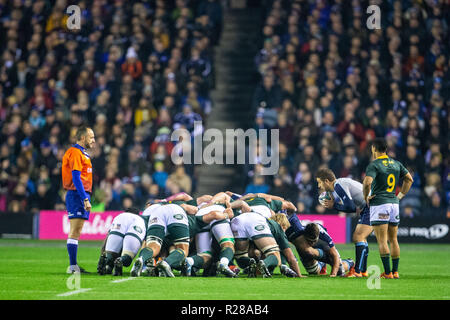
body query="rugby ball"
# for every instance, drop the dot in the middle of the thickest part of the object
(324, 196)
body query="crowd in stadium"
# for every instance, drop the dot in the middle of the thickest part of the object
(331, 85)
(134, 71)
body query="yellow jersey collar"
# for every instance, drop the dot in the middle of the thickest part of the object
(382, 157)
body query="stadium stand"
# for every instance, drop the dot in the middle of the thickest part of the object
(135, 71)
(330, 85)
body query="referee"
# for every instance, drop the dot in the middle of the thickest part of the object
(77, 180)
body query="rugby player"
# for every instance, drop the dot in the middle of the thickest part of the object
(316, 248)
(265, 204)
(221, 230)
(382, 178)
(126, 235)
(347, 196)
(166, 220)
(254, 226)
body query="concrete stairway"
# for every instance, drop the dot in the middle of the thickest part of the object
(236, 78)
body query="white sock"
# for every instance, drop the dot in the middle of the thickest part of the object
(224, 261)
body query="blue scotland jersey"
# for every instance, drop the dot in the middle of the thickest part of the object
(297, 229)
(348, 195)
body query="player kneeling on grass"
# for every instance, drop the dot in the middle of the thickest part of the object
(316, 248)
(125, 235)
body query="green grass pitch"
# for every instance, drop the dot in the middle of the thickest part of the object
(32, 269)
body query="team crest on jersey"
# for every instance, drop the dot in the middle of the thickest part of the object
(116, 226)
(154, 220)
(178, 216)
(138, 229)
(259, 227)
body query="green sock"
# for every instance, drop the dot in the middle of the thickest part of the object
(283, 259)
(271, 261)
(395, 262)
(243, 262)
(198, 261)
(226, 255)
(146, 254)
(386, 263)
(175, 258)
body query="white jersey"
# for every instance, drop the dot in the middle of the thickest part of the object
(148, 211)
(127, 222)
(353, 190)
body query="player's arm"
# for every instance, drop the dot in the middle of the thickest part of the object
(289, 206)
(189, 209)
(371, 173)
(407, 182)
(334, 255)
(292, 261)
(248, 196)
(233, 195)
(240, 205)
(217, 215)
(220, 197)
(269, 197)
(181, 196)
(348, 205)
(367, 183)
(204, 198)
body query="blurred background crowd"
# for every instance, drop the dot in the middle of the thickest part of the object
(330, 85)
(135, 71)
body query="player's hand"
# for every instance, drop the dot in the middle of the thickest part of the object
(369, 198)
(229, 212)
(87, 205)
(329, 204)
(245, 207)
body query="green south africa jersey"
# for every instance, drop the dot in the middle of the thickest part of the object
(386, 174)
(196, 224)
(278, 234)
(274, 205)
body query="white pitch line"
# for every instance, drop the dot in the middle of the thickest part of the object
(123, 280)
(69, 293)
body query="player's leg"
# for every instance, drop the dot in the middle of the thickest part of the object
(394, 221)
(379, 219)
(394, 248)
(241, 254)
(223, 234)
(362, 231)
(269, 248)
(381, 233)
(131, 245)
(203, 242)
(179, 234)
(153, 242)
(113, 246)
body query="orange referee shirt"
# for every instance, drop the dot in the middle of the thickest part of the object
(76, 158)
